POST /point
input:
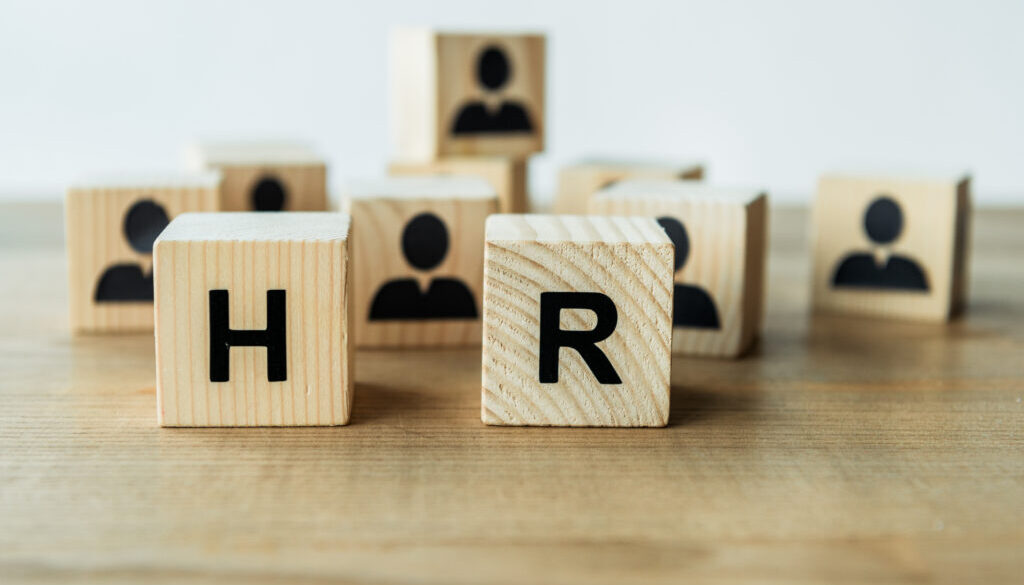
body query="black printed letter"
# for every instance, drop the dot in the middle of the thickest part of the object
(553, 337)
(223, 338)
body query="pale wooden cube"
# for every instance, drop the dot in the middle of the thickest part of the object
(578, 182)
(265, 176)
(473, 93)
(252, 320)
(418, 246)
(892, 246)
(506, 174)
(721, 240)
(577, 321)
(111, 224)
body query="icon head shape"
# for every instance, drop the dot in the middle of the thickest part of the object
(143, 223)
(493, 68)
(677, 233)
(883, 220)
(425, 241)
(268, 194)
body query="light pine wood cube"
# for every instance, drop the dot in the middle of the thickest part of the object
(111, 224)
(892, 246)
(577, 321)
(578, 182)
(466, 93)
(265, 176)
(721, 241)
(418, 248)
(507, 175)
(252, 320)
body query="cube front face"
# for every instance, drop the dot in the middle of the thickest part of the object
(890, 247)
(577, 183)
(577, 333)
(419, 270)
(253, 333)
(507, 175)
(110, 232)
(719, 267)
(296, 187)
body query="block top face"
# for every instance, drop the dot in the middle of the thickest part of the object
(150, 180)
(634, 165)
(439, 187)
(256, 226)
(676, 191)
(578, 229)
(218, 154)
(909, 176)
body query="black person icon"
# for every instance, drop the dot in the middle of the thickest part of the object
(492, 71)
(883, 223)
(424, 245)
(268, 194)
(127, 282)
(691, 305)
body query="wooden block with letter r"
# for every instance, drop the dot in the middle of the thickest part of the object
(466, 93)
(252, 320)
(111, 224)
(265, 176)
(578, 182)
(721, 241)
(892, 246)
(577, 321)
(418, 247)
(506, 174)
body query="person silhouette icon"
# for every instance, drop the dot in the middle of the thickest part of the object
(883, 223)
(692, 306)
(492, 72)
(424, 245)
(127, 282)
(268, 194)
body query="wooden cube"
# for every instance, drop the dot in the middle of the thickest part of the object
(111, 223)
(577, 321)
(507, 175)
(577, 182)
(418, 246)
(252, 320)
(265, 176)
(466, 93)
(721, 240)
(892, 246)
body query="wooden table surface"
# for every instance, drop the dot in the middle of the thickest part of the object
(844, 450)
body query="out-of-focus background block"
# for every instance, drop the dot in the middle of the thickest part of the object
(506, 174)
(578, 182)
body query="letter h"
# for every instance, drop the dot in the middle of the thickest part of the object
(223, 338)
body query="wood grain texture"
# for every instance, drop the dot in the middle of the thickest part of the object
(506, 174)
(579, 181)
(935, 235)
(434, 75)
(843, 450)
(381, 211)
(247, 254)
(726, 232)
(627, 259)
(95, 216)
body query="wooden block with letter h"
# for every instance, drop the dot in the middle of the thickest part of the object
(892, 247)
(418, 247)
(466, 93)
(265, 176)
(506, 174)
(721, 240)
(577, 321)
(111, 224)
(252, 320)
(578, 182)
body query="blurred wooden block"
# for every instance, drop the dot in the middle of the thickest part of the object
(893, 247)
(721, 240)
(577, 182)
(507, 175)
(577, 321)
(418, 247)
(265, 176)
(111, 224)
(466, 93)
(253, 323)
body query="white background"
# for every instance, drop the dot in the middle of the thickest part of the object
(767, 93)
